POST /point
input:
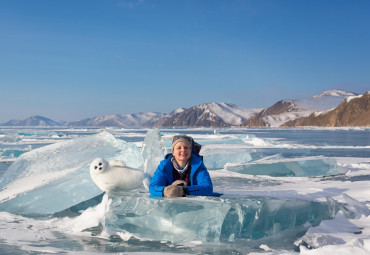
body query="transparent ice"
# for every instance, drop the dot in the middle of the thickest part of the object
(255, 213)
(208, 220)
(308, 166)
(10, 137)
(343, 219)
(56, 177)
(153, 150)
(217, 158)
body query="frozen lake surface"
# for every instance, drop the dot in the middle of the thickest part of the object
(285, 191)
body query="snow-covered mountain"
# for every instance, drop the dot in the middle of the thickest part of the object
(118, 120)
(161, 119)
(336, 93)
(205, 115)
(210, 115)
(34, 121)
(288, 110)
(353, 111)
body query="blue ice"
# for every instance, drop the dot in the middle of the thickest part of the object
(9, 153)
(217, 158)
(210, 220)
(215, 149)
(308, 166)
(153, 150)
(56, 177)
(10, 138)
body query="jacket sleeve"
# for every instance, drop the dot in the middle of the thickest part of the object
(159, 180)
(202, 183)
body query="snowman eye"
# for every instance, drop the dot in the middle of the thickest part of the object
(96, 167)
(100, 164)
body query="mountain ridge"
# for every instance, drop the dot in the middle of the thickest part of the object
(291, 109)
(212, 114)
(36, 120)
(353, 111)
(117, 120)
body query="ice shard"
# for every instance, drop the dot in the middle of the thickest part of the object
(343, 224)
(209, 220)
(359, 209)
(153, 150)
(351, 209)
(308, 166)
(217, 158)
(56, 177)
(9, 138)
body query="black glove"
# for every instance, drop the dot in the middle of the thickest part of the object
(176, 189)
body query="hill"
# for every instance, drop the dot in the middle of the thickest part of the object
(117, 120)
(292, 109)
(353, 111)
(210, 115)
(312, 111)
(34, 121)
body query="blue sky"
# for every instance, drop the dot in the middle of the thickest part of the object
(74, 59)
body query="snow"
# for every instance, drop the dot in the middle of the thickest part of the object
(305, 106)
(335, 92)
(348, 99)
(230, 114)
(279, 207)
(278, 120)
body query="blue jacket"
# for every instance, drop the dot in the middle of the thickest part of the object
(201, 183)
